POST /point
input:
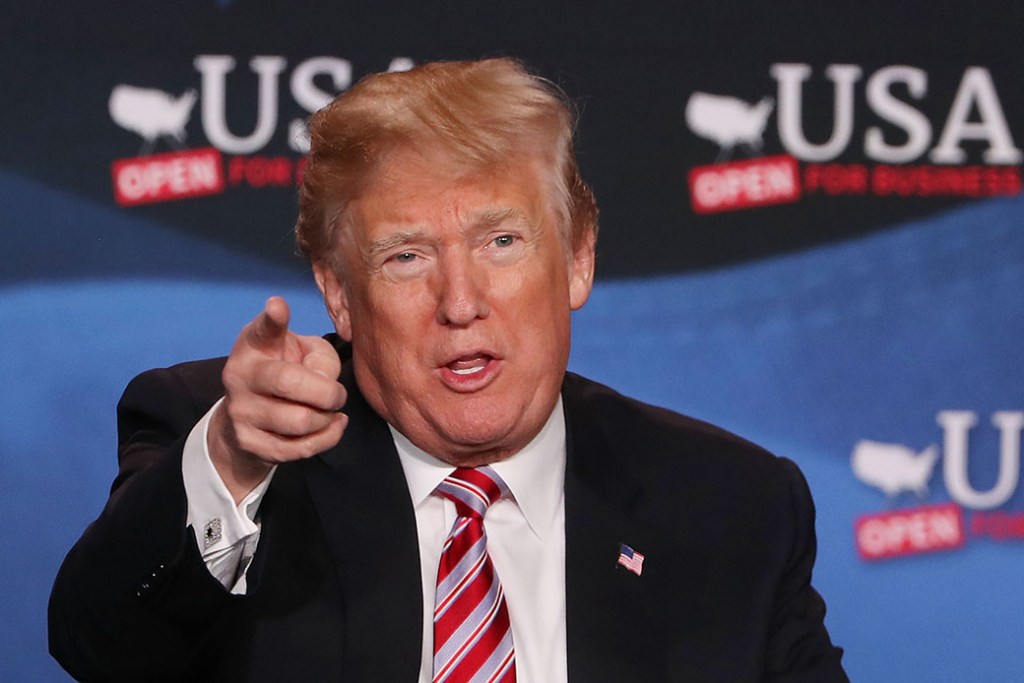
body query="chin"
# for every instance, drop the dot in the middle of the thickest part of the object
(477, 434)
(483, 426)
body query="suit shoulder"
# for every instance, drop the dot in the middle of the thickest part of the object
(618, 413)
(198, 379)
(658, 439)
(178, 394)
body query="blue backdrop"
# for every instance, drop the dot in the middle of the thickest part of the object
(843, 310)
(807, 354)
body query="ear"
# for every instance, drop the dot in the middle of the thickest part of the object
(332, 288)
(581, 271)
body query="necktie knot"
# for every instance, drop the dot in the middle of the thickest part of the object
(473, 490)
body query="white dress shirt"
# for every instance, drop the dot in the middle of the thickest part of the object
(525, 537)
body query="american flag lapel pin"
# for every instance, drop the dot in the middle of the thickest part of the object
(631, 559)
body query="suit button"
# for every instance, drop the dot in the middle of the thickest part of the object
(151, 582)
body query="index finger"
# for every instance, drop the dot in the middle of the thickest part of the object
(270, 328)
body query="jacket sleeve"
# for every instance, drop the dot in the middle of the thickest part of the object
(799, 648)
(133, 598)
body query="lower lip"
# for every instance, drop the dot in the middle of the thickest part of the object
(473, 382)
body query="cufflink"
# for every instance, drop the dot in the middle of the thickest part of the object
(211, 532)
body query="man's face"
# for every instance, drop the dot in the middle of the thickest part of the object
(456, 295)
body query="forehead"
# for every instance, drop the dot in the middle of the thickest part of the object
(409, 189)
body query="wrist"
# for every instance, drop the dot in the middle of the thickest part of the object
(240, 470)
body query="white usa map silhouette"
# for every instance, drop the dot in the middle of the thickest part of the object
(153, 114)
(894, 468)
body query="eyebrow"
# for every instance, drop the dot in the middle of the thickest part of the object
(491, 217)
(394, 240)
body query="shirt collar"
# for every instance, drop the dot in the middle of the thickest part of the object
(535, 475)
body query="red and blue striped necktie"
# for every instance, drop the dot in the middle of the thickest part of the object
(472, 633)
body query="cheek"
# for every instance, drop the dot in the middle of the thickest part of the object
(383, 355)
(540, 311)
(392, 321)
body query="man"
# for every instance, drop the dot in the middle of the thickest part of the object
(255, 532)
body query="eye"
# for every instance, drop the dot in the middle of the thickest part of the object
(404, 257)
(502, 241)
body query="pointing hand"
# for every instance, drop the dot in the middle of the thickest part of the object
(281, 400)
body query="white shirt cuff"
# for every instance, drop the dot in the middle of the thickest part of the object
(226, 534)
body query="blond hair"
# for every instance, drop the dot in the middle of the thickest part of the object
(479, 113)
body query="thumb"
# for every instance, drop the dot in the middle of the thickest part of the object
(320, 357)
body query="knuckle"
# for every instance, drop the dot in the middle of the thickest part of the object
(230, 376)
(236, 413)
(289, 379)
(248, 440)
(239, 376)
(293, 448)
(301, 422)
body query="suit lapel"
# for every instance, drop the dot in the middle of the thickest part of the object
(610, 634)
(359, 491)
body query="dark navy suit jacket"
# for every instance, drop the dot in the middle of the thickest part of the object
(727, 530)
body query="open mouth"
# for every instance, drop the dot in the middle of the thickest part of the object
(469, 365)
(471, 372)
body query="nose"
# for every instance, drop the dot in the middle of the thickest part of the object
(462, 296)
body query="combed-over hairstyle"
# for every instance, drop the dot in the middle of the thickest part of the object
(479, 114)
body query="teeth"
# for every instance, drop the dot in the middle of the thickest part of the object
(467, 366)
